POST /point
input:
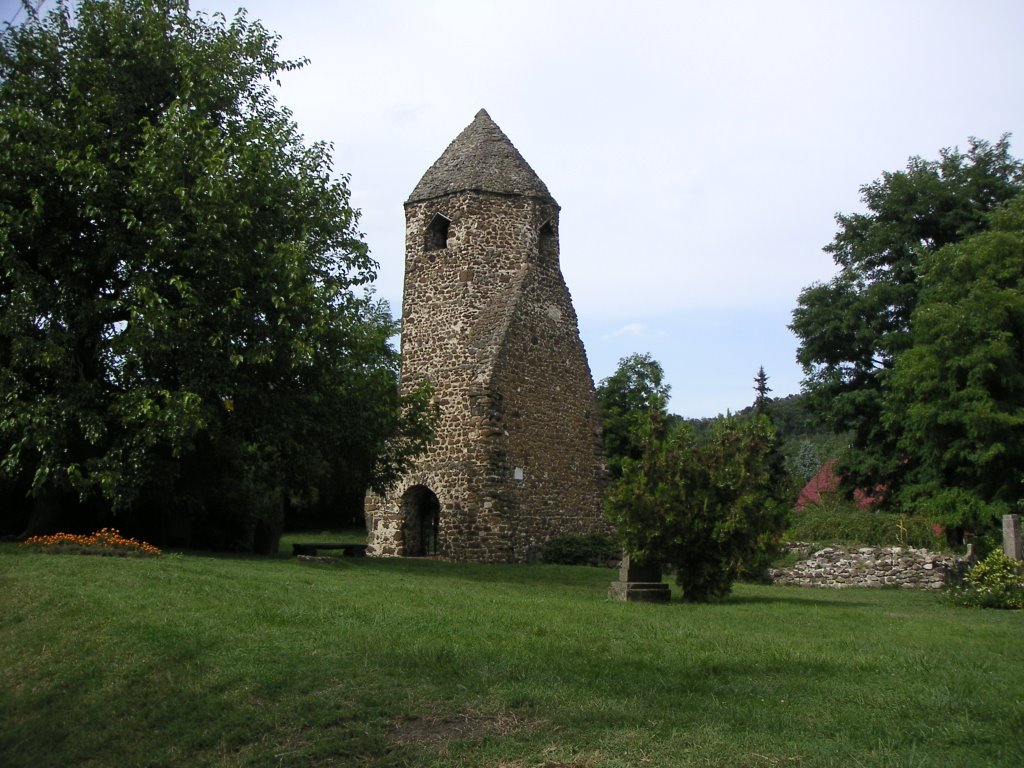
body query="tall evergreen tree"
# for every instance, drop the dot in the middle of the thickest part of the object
(762, 389)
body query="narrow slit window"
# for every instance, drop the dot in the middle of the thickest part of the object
(437, 233)
(546, 240)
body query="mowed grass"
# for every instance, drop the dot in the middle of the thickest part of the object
(192, 660)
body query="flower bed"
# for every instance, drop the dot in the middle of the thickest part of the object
(106, 541)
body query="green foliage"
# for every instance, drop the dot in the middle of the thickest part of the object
(804, 441)
(839, 522)
(186, 338)
(804, 461)
(596, 549)
(627, 400)
(957, 395)
(995, 582)
(791, 417)
(714, 509)
(852, 328)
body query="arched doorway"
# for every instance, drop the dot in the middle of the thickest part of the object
(421, 517)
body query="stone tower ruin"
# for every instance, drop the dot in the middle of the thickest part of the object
(488, 320)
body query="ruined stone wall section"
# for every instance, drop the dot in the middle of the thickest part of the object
(893, 567)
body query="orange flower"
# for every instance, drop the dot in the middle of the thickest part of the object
(104, 539)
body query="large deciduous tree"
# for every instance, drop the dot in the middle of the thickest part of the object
(627, 399)
(187, 343)
(956, 396)
(853, 328)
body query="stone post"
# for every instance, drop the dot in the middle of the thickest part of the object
(1011, 537)
(639, 583)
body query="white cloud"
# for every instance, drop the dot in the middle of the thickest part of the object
(630, 329)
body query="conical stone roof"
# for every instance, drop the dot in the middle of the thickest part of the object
(481, 159)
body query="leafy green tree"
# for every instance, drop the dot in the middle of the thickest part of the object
(852, 328)
(628, 398)
(957, 394)
(187, 341)
(714, 508)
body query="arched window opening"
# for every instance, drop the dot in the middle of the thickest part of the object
(421, 518)
(436, 236)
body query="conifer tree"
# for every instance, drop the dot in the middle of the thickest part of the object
(762, 389)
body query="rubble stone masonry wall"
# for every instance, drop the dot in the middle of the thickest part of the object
(894, 567)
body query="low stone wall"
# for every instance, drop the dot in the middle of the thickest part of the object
(838, 567)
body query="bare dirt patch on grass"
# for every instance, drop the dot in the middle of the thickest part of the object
(575, 762)
(438, 731)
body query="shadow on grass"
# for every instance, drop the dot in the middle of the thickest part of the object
(187, 716)
(572, 576)
(589, 578)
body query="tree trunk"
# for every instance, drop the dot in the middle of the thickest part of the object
(45, 517)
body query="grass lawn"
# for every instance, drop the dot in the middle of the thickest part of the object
(192, 660)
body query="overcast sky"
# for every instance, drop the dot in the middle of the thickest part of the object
(699, 150)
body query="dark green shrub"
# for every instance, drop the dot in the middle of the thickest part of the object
(712, 509)
(595, 549)
(995, 582)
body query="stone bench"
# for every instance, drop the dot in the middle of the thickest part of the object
(347, 550)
